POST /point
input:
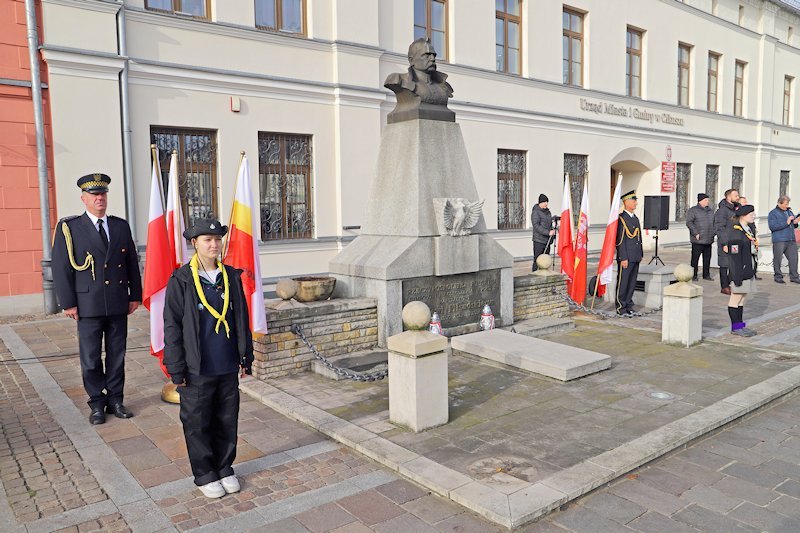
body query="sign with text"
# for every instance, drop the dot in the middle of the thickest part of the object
(458, 298)
(667, 176)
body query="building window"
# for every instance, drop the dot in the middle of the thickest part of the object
(633, 64)
(712, 179)
(572, 47)
(682, 180)
(576, 166)
(510, 189)
(508, 37)
(713, 80)
(285, 16)
(430, 20)
(197, 168)
(684, 58)
(783, 188)
(787, 100)
(741, 15)
(284, 178)
(738, 90)
(737, 178)
(195, 8)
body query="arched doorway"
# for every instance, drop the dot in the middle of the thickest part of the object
(631, 163)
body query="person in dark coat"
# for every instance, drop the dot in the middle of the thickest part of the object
(740, 256)
(543, 232)
(629, 253)
(754, 231)
(700, 221)
(207, 345)
(722, 221)
(98, 284)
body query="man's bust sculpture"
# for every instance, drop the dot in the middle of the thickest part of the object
(422, 92)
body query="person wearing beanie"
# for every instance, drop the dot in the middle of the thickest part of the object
(740, 241)
(726, 210)
(543, 232)
(700, 221)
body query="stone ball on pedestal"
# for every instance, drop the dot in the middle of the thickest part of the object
(544, 262)
(416, 316)
(286, 288)
(683, 272)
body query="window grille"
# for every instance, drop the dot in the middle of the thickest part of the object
(577, 167)
(712, 180)
(737, 178)
(511, 189)
(682, 183)
(284, 174)
(784, 183)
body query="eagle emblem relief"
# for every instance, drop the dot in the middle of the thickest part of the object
(461, 215)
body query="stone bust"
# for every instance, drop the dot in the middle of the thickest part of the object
(422, 92)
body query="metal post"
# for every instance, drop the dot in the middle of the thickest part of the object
(127, 157)
(48, 290)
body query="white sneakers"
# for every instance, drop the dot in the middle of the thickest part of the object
(212, 490)
(230, 484)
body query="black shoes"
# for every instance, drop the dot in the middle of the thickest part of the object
(779, 281)
(694, 278)
(97, 416)
(118, 410)
(708, 278)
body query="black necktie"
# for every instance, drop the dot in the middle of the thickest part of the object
(103, 235)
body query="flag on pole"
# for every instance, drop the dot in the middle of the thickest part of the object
(565, 247)
(157, 265)
(578, 289)
(605, 271)
(242, 248)
(179, 250)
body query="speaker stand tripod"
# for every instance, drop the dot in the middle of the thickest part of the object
(656, 258)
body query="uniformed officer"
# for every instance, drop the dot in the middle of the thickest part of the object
(629, 253)
(98, 284)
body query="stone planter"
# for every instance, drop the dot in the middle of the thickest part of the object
(313, 289)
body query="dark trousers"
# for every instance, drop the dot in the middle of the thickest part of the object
(626, 283)
(724, 278)
(539, 248)
(705, 251)
(210, 417)
(788, 249)
(96, 376)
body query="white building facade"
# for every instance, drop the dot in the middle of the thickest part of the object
(676, 97)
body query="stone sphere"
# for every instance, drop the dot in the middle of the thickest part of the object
(416, 316)
(286, 288)
(544, 262)
(683, 272)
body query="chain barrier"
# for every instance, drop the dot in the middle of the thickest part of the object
(346, 373)
(582, 308)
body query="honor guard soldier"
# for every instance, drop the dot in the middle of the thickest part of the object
(98, 284)
(629, 253)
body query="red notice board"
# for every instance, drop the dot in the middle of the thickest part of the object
(667, 176)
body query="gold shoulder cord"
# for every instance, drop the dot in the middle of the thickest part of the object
(88, 262)
(631, 235)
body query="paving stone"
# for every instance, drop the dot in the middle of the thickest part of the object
(750, 492)
(287, 525)
(710, 498)
(647, 496)
(404, 524)
(431, 508)
(709, 521)
(579, 518)
(465, 523)
(401, 491)
(324, 518)
(786, 505)
(764, 520)
(778, 466)
(370, 507)
(664, 480)
(614, 507)
(789, 487)
(759, 476)
(690, 471)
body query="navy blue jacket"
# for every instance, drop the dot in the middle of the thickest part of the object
(629, 249)
(781, 231)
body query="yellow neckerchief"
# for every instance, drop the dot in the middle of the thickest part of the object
(747, 233)
(88, 262)
(631, 234)
(200, 294)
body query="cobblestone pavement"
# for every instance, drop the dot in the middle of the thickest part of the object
(744, 478)
(61, 474)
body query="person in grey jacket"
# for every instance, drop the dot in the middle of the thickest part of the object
(722, 221)
(700, 221)
(543, 232)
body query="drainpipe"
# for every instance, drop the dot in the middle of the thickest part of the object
(48, 289)
(127, 157)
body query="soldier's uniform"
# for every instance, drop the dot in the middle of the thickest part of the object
(629, 248)
(98, 274)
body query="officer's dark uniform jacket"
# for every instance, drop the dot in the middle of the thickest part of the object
(629, 249)
(182, 352)
(740, 254)
(117, 280)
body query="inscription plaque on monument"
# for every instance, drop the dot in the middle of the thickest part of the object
(458, 298)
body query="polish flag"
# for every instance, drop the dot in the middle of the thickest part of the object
(565, 248)
(179, 250)
(578, 289)
(242, 248)
(605, 272)
(157, 265)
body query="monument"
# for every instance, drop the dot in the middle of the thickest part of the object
(425, 237)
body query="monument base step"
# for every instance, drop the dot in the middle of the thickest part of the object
(534, 355)
(366, 362)
(539, 327)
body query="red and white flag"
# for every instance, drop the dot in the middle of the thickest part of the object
(157, 265)
(242, 248)
(605, 270)
(179, 250)
(578, 289)
(565, 247)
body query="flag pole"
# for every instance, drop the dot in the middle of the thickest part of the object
(230, 217)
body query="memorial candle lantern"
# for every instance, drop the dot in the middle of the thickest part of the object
(487, 318)
(436, 324)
